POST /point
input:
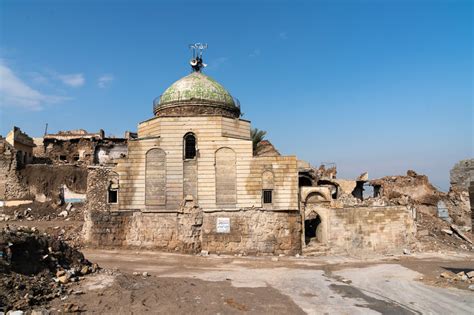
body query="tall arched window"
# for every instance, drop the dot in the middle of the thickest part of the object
(226, 179)
(189, 146)
(155, 178)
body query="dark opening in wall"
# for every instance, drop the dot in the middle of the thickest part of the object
(333, 187)
(358, 191)
(312, 230)
(304, 181)
(189, 146)
(113, 196)
(63, 158)
(76, 157)
(377, 191)
(267, 196)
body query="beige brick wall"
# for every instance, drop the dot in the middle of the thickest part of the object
(369, 229)
(212, 133)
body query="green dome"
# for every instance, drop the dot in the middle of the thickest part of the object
(196, 86)
(196, 95)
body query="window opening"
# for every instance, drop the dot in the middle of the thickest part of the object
(267, 196)
(189, 146)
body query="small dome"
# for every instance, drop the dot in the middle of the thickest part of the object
(196, 94)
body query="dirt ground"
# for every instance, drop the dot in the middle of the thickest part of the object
(179, 284)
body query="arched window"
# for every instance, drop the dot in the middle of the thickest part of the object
(226, 179)
(155, 178)
(267, 187)
(189, 146)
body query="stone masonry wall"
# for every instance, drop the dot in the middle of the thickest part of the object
(370, 229)
(253, 232)
(11, 186)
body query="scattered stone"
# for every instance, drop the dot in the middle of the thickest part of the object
(135, 273)
(471, 287)
(60, 273)
(449, 232)
(204, 253)
(15, 313)
(64, 279)
(447, 275)
(63, 214)
(346, 281)
(69, 207)
(274, 258)
(297, 255)
(461, 234)
(145, 274)
(85, 270)
(470, 274)
(406, 251)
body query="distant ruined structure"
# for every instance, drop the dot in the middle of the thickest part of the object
(190, 180)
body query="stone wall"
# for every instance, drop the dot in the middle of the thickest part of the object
(361, 230)
(462, 174)
(96, 197)
(11, 186)
(253, 232)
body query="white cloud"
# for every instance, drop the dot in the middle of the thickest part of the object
(105, 80)
(283, 35)
(73, 80)
(255, 53)
(15, 92)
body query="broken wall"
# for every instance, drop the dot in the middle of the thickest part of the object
(364, 230)
(253, 232)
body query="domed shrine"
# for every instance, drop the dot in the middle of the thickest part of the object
(191, 180)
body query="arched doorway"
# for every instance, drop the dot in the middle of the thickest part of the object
(313, 228)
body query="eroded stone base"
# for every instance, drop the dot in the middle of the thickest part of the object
(250, 232)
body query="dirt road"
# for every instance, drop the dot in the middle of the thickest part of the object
(181, 284)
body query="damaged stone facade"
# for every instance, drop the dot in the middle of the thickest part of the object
(23, 145)
(190, 182)
(79, 147)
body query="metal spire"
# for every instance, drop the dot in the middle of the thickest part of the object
(196, 62)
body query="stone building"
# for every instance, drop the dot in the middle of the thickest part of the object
(79, 147)
(191, 173)
(22, 143)
(192, 182)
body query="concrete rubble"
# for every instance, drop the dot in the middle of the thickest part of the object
(36, 268)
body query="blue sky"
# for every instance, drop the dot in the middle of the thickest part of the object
(377, 86)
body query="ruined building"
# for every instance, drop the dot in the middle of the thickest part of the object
(23, 145)
(191, 182)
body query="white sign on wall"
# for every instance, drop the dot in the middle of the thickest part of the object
(223, 225)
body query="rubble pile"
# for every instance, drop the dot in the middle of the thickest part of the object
(435, 234)
(35, 268)
(38, 211)
(466, 278)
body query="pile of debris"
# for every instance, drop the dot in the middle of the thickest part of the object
(460, 277)
(38, 211)
(435, 234)
(35, 268)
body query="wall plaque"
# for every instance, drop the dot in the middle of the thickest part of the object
(223, 225)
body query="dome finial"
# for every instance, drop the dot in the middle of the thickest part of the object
(196, 62)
